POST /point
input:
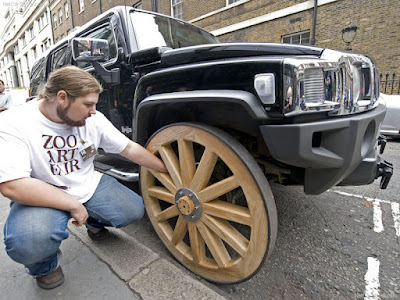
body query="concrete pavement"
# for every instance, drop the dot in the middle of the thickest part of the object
(120, 267)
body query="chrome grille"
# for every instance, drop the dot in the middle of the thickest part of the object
(314, 91)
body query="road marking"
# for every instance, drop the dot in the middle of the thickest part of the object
(372, 284)
(378, 224)
(377, 216)
(396, 217)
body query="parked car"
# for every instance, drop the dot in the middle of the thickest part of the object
(225, 118)
(391, 123)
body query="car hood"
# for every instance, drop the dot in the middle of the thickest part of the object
(208, 52)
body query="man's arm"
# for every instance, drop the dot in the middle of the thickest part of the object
(34, 192)
(140, 155)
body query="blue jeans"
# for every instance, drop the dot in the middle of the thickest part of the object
(33, 235)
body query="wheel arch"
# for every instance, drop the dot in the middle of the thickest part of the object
(227, 109)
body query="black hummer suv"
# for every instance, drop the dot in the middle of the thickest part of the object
(225, 118)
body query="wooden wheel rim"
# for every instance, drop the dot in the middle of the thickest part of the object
(213, 229)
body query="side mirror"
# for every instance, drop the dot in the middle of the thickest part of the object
(90, 49)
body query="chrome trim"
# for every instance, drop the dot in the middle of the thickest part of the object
(124, 176)
(338, 83)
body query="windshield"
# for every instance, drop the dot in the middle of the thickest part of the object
(156, 31)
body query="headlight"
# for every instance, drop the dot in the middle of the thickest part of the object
(337, 84)
(264, 85)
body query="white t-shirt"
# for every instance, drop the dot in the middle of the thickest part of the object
(33, 146)
(5, 100)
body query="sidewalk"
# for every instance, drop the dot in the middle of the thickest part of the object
(118, 268)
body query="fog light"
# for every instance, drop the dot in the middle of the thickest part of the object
(265, 87)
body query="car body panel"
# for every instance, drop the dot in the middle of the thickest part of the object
(391, 123)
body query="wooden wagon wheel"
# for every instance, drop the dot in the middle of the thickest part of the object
(214, 211)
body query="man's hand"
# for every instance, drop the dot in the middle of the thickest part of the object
(79, 214)
(34, 192)
(143, 157)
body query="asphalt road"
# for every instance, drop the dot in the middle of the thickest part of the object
(343, 244)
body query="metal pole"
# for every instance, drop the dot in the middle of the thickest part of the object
(394, 76)
(155, 5)
(72, 15)
(314, 22)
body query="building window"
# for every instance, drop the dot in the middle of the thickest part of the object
(45, 19)
(66, 8)
(302, 38)
(229, 2)
(177, 9)
(45, 45)
(55, 20)
(34, 52)
(16, 48)
(31, 33)
(42, 21)
(40, 24)
(23, 41)
(60, 16)
(81, 5)
(138, 5)
(26, 61)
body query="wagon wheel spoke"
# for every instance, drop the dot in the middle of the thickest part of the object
(162, 193)
(215, 244)
(228, 211)
(187, 161)
(196, 243)
(165, 179)
(171, 162)
(204, 170)
(179, 231)
(218, 189)
(228, 233)
(167, 214)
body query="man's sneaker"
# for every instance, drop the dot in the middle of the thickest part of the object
(52, 280)
(97, 234)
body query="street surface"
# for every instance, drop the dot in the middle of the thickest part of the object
(343, 244)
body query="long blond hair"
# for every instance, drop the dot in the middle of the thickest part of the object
(73, 80)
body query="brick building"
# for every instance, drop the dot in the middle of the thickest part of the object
(377, 36)
(292, 21)
(68, 14)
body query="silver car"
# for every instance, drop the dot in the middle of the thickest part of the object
(391, 123)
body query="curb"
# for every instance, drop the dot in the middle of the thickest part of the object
(145, 273)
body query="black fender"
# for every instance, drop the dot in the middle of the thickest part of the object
(238, 110)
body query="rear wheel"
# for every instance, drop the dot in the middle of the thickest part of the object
(214, 211)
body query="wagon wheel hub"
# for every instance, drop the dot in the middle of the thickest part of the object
(188, 204)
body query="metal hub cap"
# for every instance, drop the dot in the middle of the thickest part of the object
(188, 204)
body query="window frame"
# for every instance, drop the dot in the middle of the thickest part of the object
(300, 34)
(66, 9)
(60, 15)
(81, 6)
(231, 2)
(178, 5)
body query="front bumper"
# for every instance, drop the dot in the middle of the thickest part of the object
(330, 150)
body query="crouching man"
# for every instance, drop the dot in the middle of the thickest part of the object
(47, 148)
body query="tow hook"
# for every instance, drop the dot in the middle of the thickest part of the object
(382, 142)
(384, 170)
